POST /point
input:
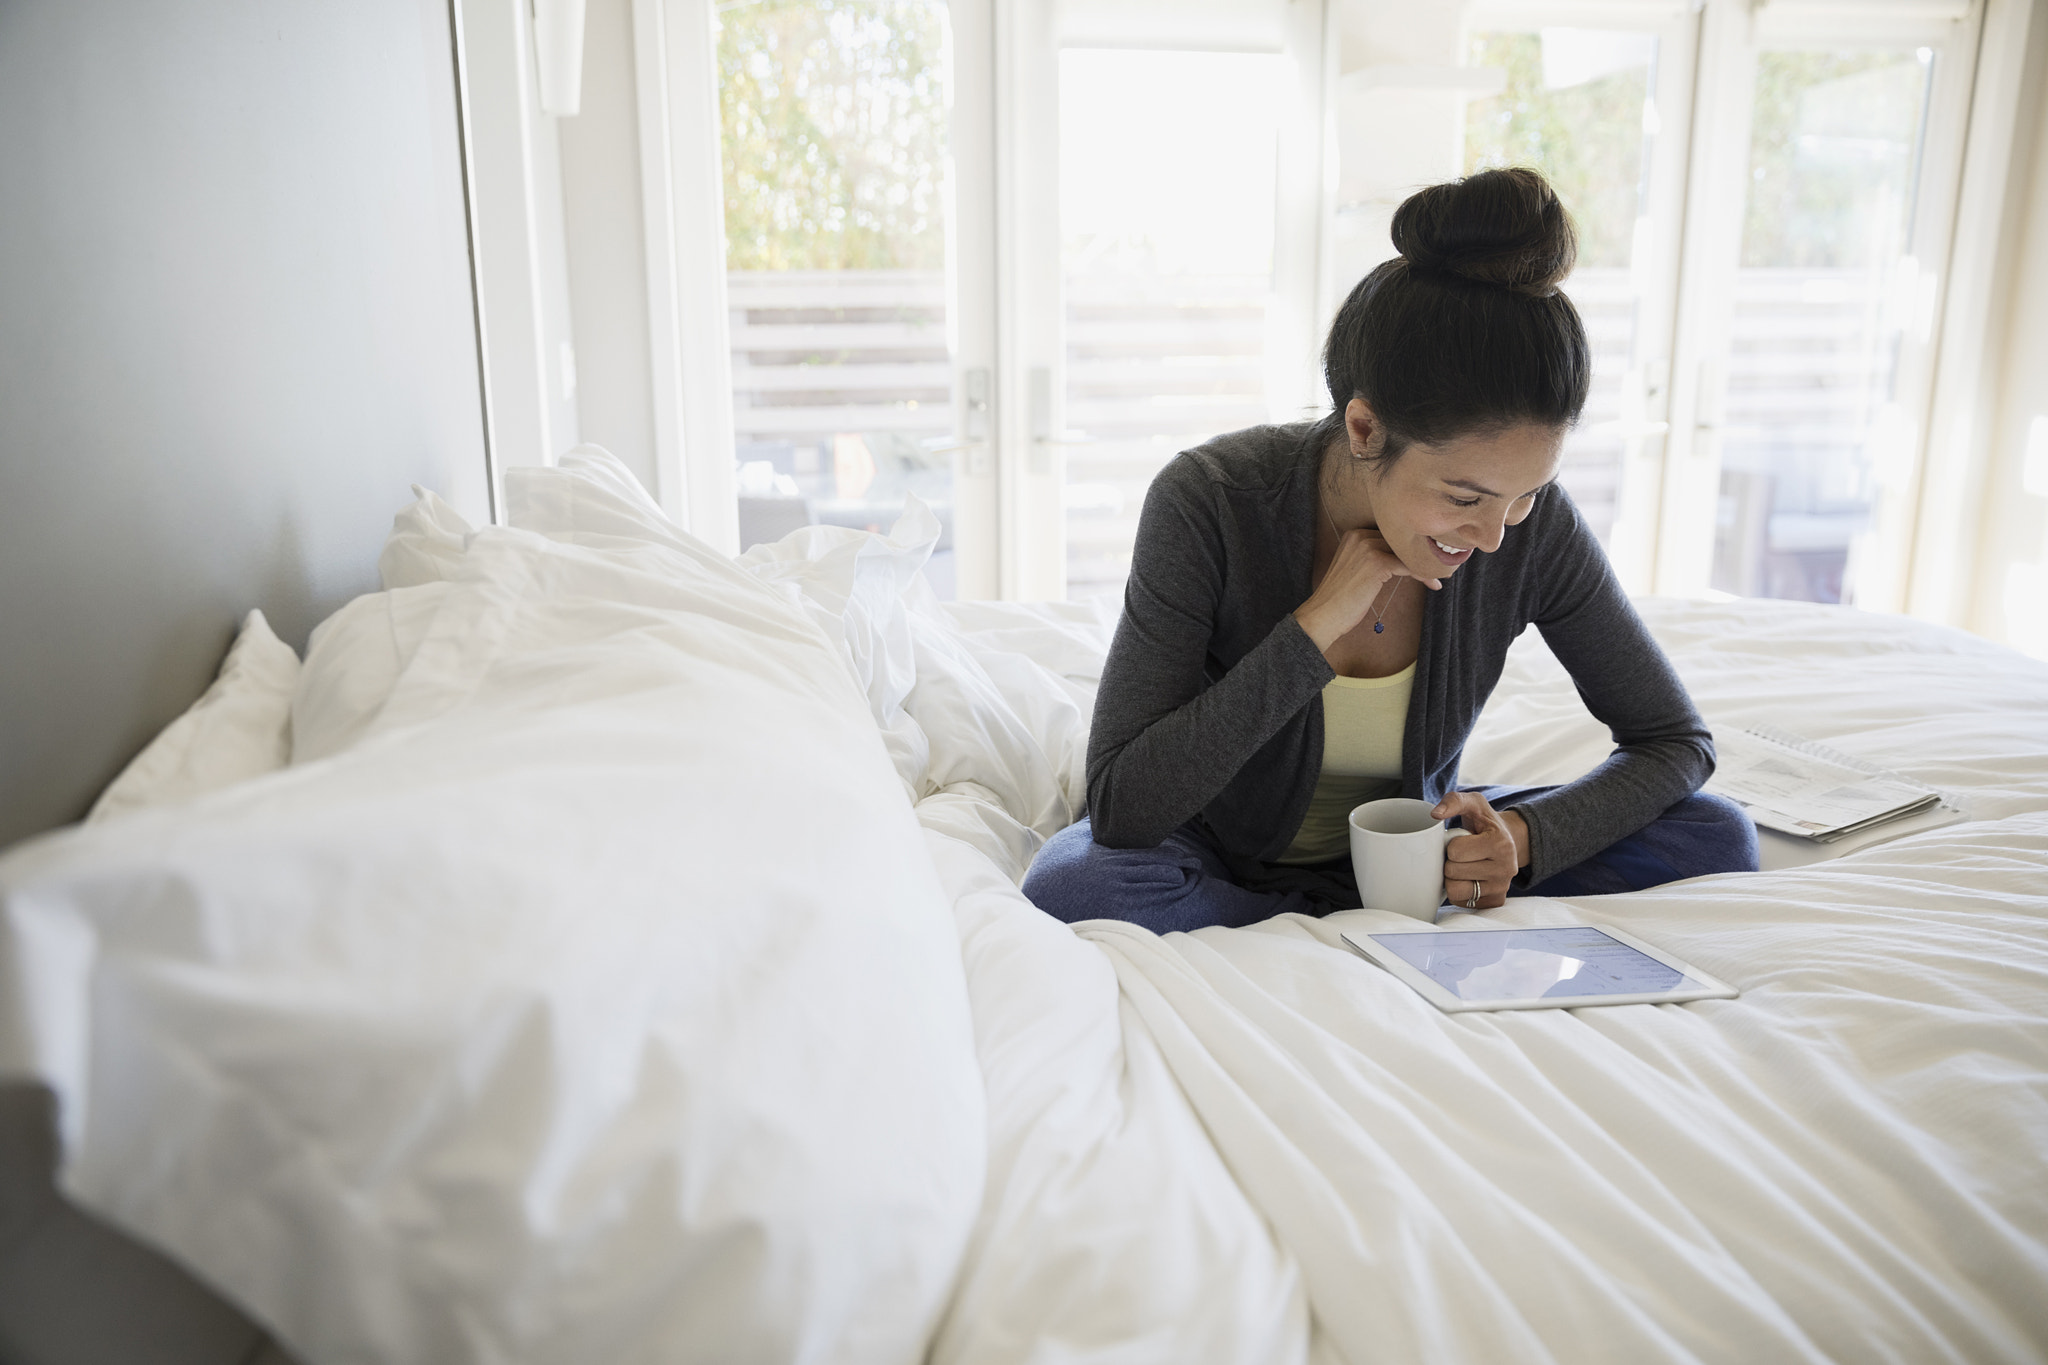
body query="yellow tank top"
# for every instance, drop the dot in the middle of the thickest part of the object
(1363, 722)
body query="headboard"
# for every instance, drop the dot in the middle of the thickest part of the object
(236, 322)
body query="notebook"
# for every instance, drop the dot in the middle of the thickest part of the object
(1810, 791)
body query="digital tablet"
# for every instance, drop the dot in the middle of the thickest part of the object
(1531, 969)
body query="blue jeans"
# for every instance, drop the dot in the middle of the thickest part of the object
(1186, 883)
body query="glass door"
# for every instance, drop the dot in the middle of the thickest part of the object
(837, 124)
(1166, 273)
(1183, 148)
(1017, 293)
(1823, 210)
(1827, 284)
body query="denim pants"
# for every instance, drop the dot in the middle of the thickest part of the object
(1185, 883)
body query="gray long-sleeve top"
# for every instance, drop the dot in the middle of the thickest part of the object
(1210, 703)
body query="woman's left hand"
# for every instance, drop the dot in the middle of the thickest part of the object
(1491, 854)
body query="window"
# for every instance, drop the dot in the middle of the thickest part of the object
(1130, 170)
(1016, 294)
(1825, 292)
(834, 133)
(1167, 271)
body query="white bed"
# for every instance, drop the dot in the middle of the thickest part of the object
(629, 966)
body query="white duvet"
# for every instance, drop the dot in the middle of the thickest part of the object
(648, 980)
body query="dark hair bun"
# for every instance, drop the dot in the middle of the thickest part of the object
(1466, 330)
(1503, 228)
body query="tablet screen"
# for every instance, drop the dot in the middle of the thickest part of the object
(1531, 964)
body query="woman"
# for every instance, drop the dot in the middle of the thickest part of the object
(1316, 614)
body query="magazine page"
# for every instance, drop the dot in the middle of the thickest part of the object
(1807, 789)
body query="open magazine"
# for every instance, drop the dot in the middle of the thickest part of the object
(1813, 792)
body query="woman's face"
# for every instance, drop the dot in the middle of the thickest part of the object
(1438, 505)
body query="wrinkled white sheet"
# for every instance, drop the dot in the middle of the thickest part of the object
(1843, 1164)
(597, 1002)
(984, 706)
(1111, 1229)
(1848, 1163)
(591, 1044)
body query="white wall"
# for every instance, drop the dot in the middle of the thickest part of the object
(235, 325)
(2009, 595)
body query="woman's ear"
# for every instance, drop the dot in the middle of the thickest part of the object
(1361, 426)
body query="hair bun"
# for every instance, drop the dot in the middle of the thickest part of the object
(1504, 228)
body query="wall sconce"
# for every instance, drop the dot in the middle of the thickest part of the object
(558, 51)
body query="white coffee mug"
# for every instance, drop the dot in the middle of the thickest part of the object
(1397, 850)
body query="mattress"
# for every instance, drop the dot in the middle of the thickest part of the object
(639, 972)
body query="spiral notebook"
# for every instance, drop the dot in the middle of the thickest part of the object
(1810, 791)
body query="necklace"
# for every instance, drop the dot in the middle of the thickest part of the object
(1379, 624)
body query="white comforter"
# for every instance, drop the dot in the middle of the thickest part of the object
(599, 1002)
(1847, 1163)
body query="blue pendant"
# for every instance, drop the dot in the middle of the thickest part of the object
(1379, 627)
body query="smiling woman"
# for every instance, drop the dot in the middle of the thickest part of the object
(1317, 613)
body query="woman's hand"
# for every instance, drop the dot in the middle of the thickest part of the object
(1495, 850)
(1357, 575)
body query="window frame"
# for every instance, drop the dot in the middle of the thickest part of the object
(1732, 37)
(1009, 480)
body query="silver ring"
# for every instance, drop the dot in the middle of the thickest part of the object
(1473, 904)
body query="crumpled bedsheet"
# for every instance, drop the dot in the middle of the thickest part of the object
(596, 1000)
(1843, 1164)
(1846, 1163)
(643, 975)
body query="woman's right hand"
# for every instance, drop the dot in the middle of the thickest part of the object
(1357, 575)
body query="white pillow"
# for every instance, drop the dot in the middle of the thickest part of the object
(598, 503)
(356, 656)
(240, 728)
(612, 1011)
(352, 663)
(958, 706)
(857, 586)
(427, 541)
(1069, 638)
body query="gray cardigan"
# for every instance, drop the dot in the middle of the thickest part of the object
(1210, 704)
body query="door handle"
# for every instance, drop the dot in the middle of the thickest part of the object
(973, 438)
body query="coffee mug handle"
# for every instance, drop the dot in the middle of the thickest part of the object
(1452, 832)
